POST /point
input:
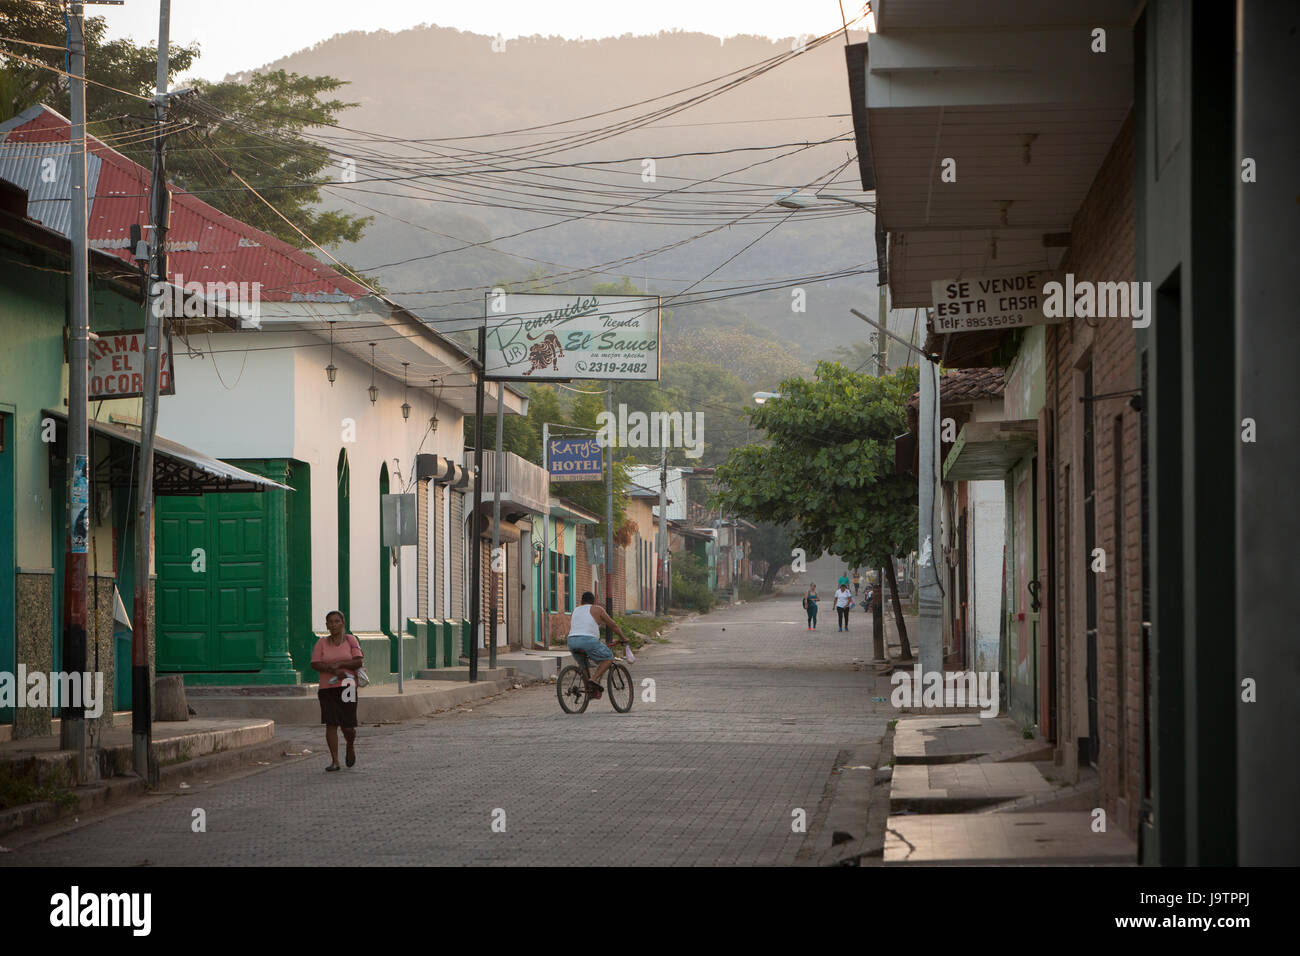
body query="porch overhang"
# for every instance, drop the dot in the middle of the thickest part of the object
(177, 470)
(986, 451)
(570, 512)
(1015, 97)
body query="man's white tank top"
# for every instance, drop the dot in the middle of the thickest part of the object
(583, 623)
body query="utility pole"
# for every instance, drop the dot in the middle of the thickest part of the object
(930, 624)
(72, 726)
(498, 470)
(661, 539)
(476, 546)
(159, 205)
(546, 538)
(609, 512)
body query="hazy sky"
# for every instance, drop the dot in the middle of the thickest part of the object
(241, 34)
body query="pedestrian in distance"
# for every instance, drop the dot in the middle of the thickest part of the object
(856, 581)
(338, 659)
(843, 602)
(810, 605)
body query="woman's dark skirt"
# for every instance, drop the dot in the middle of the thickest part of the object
(335, 710)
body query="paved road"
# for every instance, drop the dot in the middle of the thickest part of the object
(749, 714)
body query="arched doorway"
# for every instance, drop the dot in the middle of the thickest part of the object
(344, 508)
(385, 617)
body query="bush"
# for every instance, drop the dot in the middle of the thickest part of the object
(750, 591)
(691, 584)
(641, 629)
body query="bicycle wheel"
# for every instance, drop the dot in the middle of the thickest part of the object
(571, 689)
(618, 684)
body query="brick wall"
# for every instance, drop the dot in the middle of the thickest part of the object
(1102, 249)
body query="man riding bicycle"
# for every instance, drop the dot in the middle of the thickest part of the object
(584, 637)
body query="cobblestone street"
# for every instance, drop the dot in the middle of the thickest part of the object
(750, 712)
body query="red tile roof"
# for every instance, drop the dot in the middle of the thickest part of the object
(203, 243)
(961, 385)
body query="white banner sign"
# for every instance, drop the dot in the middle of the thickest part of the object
(117, 366)
(989, 302)
(536, 337)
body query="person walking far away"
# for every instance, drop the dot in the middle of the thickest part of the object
(856, 581)
(810, 605)
(584, 637)
(338, 658)
(843, 601)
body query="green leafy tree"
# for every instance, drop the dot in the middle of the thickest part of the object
(770, 543)
(255, 127)
(828, 469)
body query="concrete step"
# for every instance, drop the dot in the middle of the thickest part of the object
(240, 690)
(376, 704)
(211, 755)
(462, 673)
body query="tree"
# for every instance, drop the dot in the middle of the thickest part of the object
(255, 127)
(828, 469)
(771, 544)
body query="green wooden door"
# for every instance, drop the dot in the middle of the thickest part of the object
(211, 589)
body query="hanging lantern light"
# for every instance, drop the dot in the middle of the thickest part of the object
(331, 370)
(373, 390)
(406, 406)
(433, 422)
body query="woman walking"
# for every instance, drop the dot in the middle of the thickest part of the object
(338, 658)
(843, 601)
(810, 605)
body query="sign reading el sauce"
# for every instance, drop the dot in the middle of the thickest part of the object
(537, 337)
(989, 302)
(117, 366)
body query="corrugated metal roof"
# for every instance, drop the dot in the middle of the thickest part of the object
(205, 245)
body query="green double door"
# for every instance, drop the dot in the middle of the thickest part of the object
(211, 589)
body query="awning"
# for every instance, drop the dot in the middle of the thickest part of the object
(177, 470)
(986, 451)
(572, 513)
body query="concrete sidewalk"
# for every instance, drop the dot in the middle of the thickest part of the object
(180, 749)
(376, 704)
(970, 790)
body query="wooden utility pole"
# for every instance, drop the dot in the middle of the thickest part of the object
(72, 727)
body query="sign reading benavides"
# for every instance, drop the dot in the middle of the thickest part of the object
(547, 337)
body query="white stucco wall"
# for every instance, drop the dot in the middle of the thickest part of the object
(984, 565)
(273, 402)
(381, 436)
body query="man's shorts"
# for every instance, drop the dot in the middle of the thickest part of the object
(595, 649)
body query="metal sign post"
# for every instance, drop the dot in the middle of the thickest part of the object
(398, 514)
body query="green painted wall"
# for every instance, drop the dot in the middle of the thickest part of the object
(302, 637)
(8, 580)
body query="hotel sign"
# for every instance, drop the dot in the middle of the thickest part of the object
(989, 302)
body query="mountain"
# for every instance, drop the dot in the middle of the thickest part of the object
(428, 85)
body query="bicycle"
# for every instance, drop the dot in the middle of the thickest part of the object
(571, 686)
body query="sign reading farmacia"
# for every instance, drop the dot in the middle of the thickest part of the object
(541, 337)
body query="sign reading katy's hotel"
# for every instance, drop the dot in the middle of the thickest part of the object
(989, 302)
(117, 366)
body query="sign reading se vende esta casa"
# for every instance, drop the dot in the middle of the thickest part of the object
(117, 366)
(989, 302)
(539, 337)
